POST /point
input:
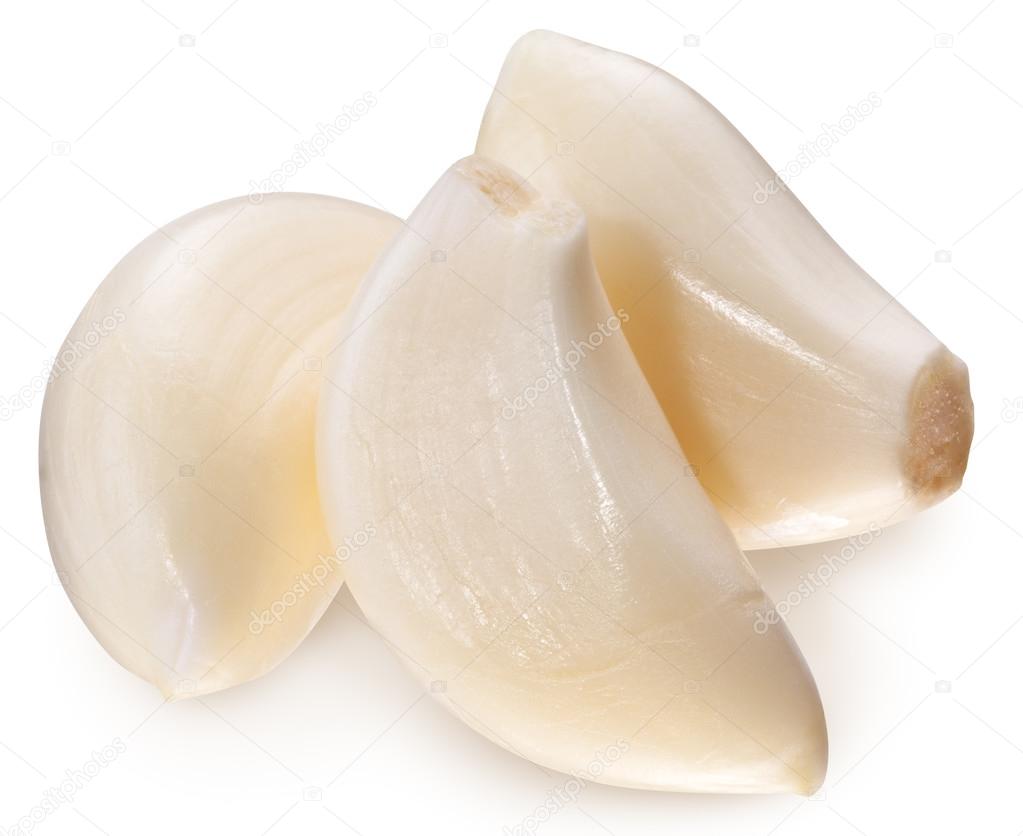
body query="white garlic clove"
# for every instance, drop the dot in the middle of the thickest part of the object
(177, 441)
(811, 403)
(536, 549)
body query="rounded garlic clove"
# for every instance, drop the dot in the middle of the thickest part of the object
(811, 403)
(537, 546)
(177, 438)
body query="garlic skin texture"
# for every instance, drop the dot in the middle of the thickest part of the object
(812, 404)
(541, 555)
(177, 446)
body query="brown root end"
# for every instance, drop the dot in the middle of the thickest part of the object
(940, 428)
(510, 194)
(513, 197)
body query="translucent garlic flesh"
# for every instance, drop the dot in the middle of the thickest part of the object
(177, 441)
(541, 554)
(811, 403)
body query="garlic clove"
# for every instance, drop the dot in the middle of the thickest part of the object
(177, 440)
(538, 554)
(811, 403)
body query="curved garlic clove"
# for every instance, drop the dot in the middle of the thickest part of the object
(538, 545)
(811, 403)
(177, 441)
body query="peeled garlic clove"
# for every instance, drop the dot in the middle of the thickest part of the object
(177, 450)
(538, 550)
(811, 403)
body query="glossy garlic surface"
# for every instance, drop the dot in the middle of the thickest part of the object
(177, 440)
(812, 404)
(539, 546)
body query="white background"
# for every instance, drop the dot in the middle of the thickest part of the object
(111, 123)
